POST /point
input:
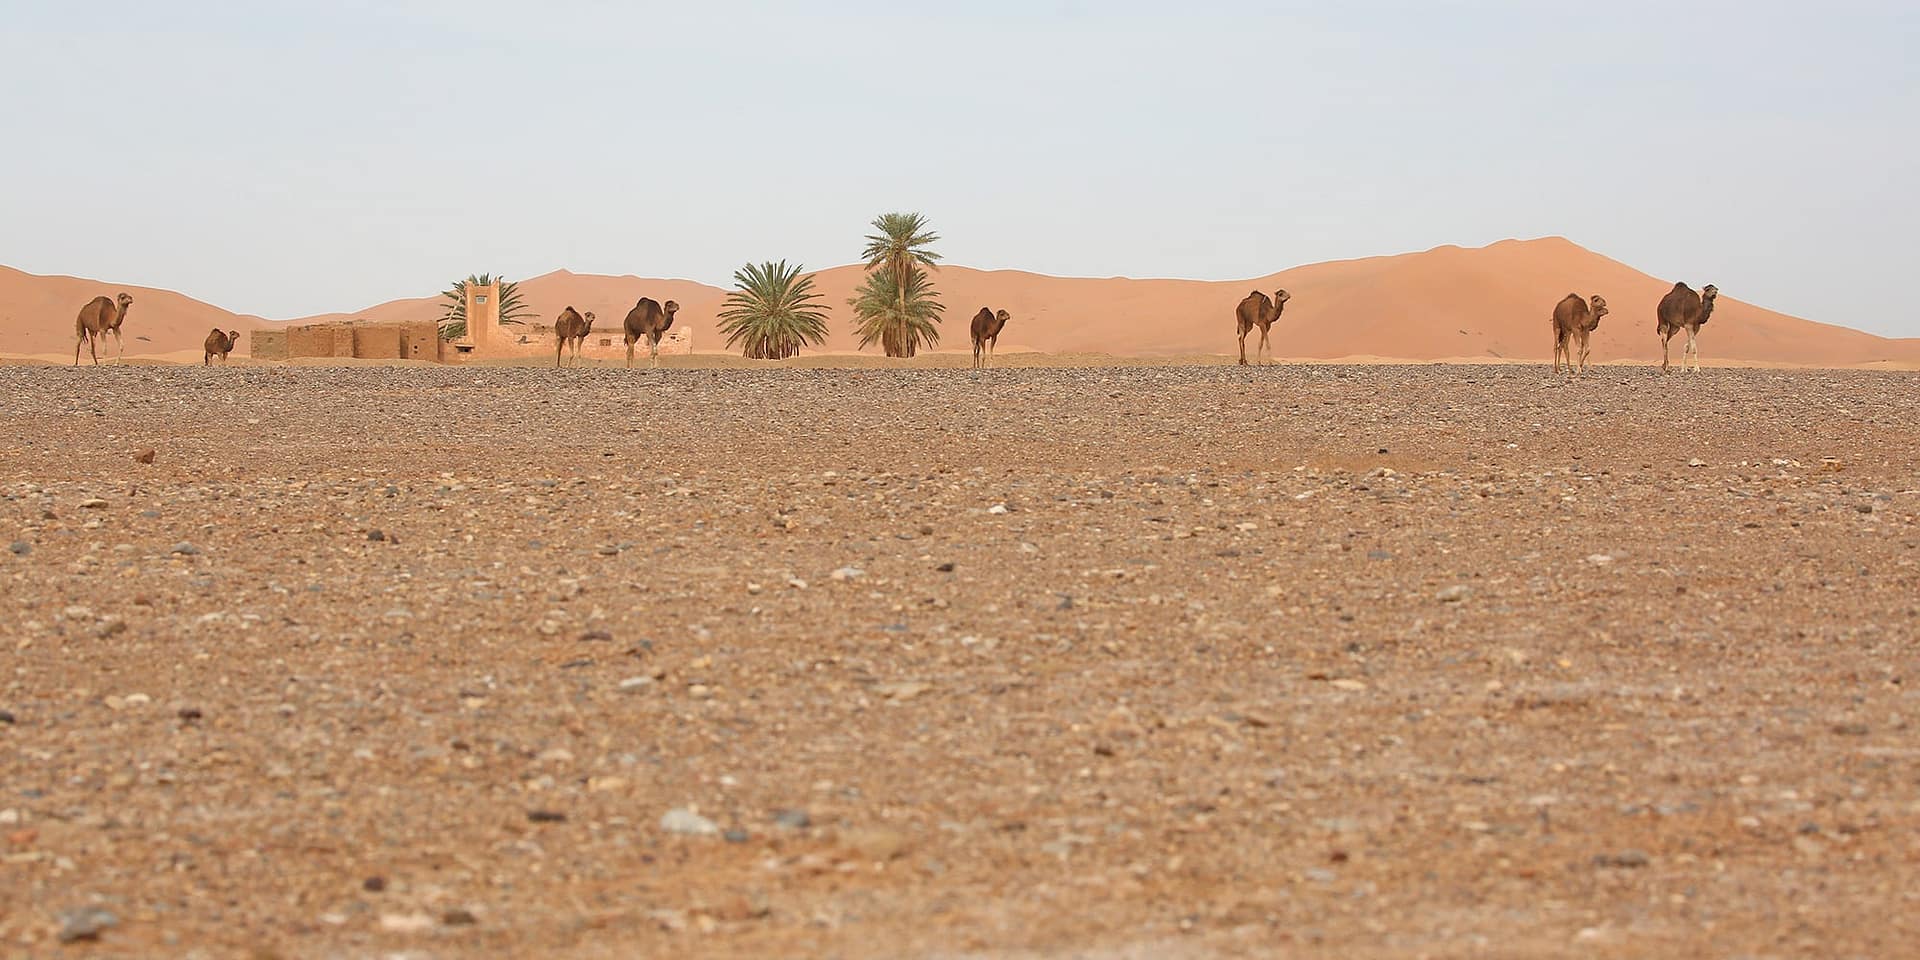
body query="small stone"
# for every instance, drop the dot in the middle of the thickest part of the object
(736, 835)
(1850, 729)
(848, 573)
(1624, 860)
(77, 612)
(1351, 686)
(6, 717)
(20, 548)
(377, 535)
(85, 923)
(945, 568)
(406, 922)
(1599, 559)
(1863, 507)
(796, 583)
(1696, 462)
(374, 884)
(144, 456)
(997, 509)
(596, 636)
(93, 503)
(1455, 593)
(185, 549)
(636, 683)
(877, 844)
(792, 819)
(459, 917)
(687, 823)
(546, 816)
(901, 691)
(189, 714)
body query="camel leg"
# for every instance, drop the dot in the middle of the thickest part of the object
(629, 354)
(1693, 348)
(1666, 350)
(653, 350)
(77, 341)
(121, 355)
(1243, 348)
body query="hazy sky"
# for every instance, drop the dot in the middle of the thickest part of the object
(292, 158)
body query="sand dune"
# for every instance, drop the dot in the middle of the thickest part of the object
(1489, 303)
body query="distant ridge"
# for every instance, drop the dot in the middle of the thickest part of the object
(1449, 302)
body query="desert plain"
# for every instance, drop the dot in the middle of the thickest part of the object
(1179, 661)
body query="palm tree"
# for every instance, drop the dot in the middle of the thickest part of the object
(773, 310)
(902, 317)
(453, 322)
(897, 253)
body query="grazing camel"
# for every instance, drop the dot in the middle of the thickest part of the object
(1257, 311)
(221, 344)
(650, 320)
(571, 328)
(97, 319)
(1574, 320)
(1682, 309)
(986, 333)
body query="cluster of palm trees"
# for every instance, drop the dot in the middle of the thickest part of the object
(774, 310)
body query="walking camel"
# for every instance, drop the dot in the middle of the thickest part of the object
(987, 325)
(1682, 309)
(220, 344)
(1257, 311)
(1574, 320)
(650, 320)
(97, 319)
(571, 329)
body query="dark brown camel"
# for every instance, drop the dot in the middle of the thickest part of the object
(1682, 309)
(571, 329)
(220, 344)
(649, 320)
(1257, 311)
(1574, 320)
(986, 333)
(97, 319)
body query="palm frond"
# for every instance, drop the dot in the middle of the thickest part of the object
(901, 317)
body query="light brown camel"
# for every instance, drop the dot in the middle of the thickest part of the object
(1257, 311)
(986, 333)
(1574, 320)
(649, 320)
(571, 329)
(220, 344)
(1682, 309)
(97, 319)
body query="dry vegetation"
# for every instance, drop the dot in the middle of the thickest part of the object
(1384, 661)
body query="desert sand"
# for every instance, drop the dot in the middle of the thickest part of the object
(1199, 662)
(1489, 304)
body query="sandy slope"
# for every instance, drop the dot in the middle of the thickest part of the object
(1488, 303)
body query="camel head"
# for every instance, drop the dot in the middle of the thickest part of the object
(1599, 309)
(233, 336)
(588, 318)
(670, 307)
(1707, 296)
(1003, 316)
(125, 300)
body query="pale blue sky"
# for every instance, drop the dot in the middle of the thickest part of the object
(291, 158)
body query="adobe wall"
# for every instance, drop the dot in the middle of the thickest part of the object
(414, 340)
(267, 344)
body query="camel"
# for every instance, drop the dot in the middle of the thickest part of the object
(650, 320)
(222, 344)
(571, 328)
(1574, 320)
(986, 333)
(1257, 311)
(97, 319)
(1682, 309)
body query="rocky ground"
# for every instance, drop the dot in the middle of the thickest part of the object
(1152, 662)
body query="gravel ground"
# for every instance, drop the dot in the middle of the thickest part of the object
(1150, 662)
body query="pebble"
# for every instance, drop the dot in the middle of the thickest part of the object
(636, 683)
(546, 816)
(1455, 593)
(997, 509)
(93, 503)
(794, 819)
(20, 548)
(735, 835)
(377, 535)
(77, 612)
(848, 573)
(374, 884)
(685, 822)
(85, 923)
(186, 549)
(144, 456)
(901, 691)
(405, 922)
(1625, 859)
(459, 917)
(6, 716)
